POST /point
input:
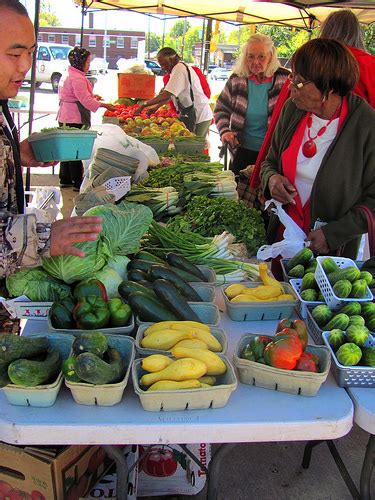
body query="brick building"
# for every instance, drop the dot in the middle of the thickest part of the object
(119, 43)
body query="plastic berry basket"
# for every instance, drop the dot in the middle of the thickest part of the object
(291, 381)
(350, 376)
(332, 300)
(314, 329)
(260, 311)
(118, 186)
(218, 333)
(302, 308)
(190, 146)
(62, 145)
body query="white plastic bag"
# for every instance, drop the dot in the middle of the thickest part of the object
(293, 237)
(45, 204)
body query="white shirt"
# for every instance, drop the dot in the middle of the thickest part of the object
(179, 86)
(307, 168)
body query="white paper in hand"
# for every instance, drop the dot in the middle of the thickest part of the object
(293, 238)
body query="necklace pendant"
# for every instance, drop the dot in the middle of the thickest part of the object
(309, 149)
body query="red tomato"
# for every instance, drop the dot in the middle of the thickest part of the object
(158, 462)
(18, 495)
(37, 495)
(5, 488)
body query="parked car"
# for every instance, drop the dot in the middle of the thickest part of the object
(98, 66)
(220, 74)
(154, 67)
(211, 67)
(51, 62)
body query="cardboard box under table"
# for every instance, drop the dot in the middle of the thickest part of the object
(69, 474)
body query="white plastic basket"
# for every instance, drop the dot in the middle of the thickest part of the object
(332, 300)
(302, 308)
(118, 186)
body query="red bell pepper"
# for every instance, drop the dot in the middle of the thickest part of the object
(301, 330)
(257, 345)
(306, 364)
(283, 352)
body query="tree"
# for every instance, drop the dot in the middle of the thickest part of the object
(47, 16)
(369, 37)
(179, 28)
(155, 42)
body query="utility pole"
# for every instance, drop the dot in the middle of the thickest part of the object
(149, 37)
(105, 40)
(162, 40)
(207, 45)
(183, 40)
(202, 46)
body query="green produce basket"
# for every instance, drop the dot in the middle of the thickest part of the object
(108, 394)
(260, 311)
(207, 312)
(186, 399)
(209, 273)
(205, 291)
(160, 146)
(189, 146)
(15, 103)
(314, 329)
(62, 145)
(283, 264)
(291, 381)
(119, 330)
(218, 333)
(41, 395)
(302, 309)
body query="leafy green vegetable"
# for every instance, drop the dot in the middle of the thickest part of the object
(110, 279)
(119, 263)
(123, 225)
(212, 216)
(37, 285)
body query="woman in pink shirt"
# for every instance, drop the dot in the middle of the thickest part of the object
(76, 101)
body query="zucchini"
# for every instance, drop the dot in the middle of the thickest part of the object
(4, 379)
(180, 262)
(94, 370)
(149, 309)
(69, 371)
(127, 287)
(303, 257)
(95, 342)
(138, 276)
(140, 265)
(143, 255)
(160, 272)
(184, 275)
(29, 373)
(174, 300)
(14, 347)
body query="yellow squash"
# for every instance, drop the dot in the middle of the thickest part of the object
(164, 339)
(192, 344)
(179, 370)
(172, 385)
(207, 379)
(163, 325)
(267, 279)
(156, 362)
(215, 365)
(211, 341)
(233, 290)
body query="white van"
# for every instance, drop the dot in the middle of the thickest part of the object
(51, 62)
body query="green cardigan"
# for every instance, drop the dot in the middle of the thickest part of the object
(346, 176)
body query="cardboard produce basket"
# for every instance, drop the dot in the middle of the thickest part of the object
(186, 399)
(218, 333)
(135, 85)
(291, 381)
(108, 394)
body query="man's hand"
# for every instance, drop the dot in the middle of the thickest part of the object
(66, 232)
(231, 139)
(281, 189)
(140, 108)
(318, 242)
(28, 158)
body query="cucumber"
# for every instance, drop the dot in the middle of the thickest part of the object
(350, 273)
(138, 276)
(180, 262)
(14, 347)
(149, 309)
(143, 255)
(160, 272)
(29, 373)
(127, 287)
(303, 257)
(4, 379)
(69, 371)
(95, 342)
(184, 275)
(94, 370)
(141, 265)
(174, 300)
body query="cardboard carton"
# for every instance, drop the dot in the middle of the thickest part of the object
(135, 85)
(51, 473)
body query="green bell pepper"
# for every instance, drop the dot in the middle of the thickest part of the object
(90, 287)
(120, 312)
(61, 314)
(92, 313)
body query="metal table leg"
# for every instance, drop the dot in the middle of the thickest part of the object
(116, 453)
(214, 470)
(367, 467)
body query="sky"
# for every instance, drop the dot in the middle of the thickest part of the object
(70, 17)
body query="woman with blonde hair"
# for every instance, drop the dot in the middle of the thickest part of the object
(245, 105)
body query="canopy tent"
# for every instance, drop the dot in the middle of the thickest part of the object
(295, 13)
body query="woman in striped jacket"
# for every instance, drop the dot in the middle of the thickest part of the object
(244, 107)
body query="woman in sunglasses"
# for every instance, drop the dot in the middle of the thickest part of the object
(321, 163)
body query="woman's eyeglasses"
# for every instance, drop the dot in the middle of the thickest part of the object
(296, 83)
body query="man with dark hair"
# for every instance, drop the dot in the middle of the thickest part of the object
(185, 89)
(22, 240)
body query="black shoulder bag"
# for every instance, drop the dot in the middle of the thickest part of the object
(187, 114)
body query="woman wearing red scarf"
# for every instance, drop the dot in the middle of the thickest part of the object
(321, 162)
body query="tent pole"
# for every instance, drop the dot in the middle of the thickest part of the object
(207, 46)
(32, 89)
(84, 10)
(202, 47)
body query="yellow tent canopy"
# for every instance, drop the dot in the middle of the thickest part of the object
(298, 13)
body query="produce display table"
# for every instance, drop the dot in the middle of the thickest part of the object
(251, 415)
(364, 417)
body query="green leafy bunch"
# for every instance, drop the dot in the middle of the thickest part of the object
(211, 216)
